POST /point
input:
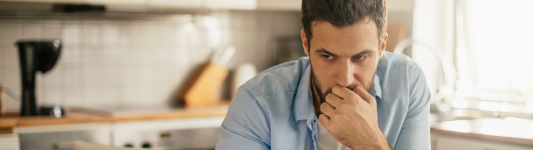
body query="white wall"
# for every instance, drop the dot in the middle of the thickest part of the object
(433, 24)
(136, 61)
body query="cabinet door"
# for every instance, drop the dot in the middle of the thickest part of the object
(61, 136)
(446, 142)
(295, 5)
(117, 2)
(101, 2)
(231, 4)
(47, 1)
(177, 3)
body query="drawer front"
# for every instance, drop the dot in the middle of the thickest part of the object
(62, 140)
(448, 142)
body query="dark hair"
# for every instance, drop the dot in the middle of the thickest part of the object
(342, 13)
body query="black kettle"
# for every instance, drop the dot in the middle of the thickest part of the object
(34, 56)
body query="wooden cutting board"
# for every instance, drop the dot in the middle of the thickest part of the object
(204, 88)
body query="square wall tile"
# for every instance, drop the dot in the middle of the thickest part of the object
(72, 94)
(54, 76)
(51, 29)
(10, 32)
(30, 30)
(72, 76)
(70, 54)
(91, 32)
(10, 54)
(71, 32)
(53, 93)
(12, 77)
(92, 93)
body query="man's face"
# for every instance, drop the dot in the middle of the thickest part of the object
(346, 56)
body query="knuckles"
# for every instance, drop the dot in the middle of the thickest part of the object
(344, 106)
(330, 96)
(323, 106)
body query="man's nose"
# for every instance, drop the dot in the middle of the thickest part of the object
(345, 74)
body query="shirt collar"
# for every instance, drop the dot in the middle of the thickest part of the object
(376, 88)
(303, 105)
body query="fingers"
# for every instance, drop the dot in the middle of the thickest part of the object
(342, 92)
(327, 109)
(333, 100)
(359, 90)
(324, 120)
(346, 94)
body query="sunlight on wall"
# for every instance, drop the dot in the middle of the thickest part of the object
(501, 36)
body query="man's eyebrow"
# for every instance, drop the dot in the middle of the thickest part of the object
(366, 51)
(322, 50)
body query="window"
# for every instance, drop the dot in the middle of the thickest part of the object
(494, 56)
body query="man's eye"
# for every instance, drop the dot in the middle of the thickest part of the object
(360, 57)
(328, 57)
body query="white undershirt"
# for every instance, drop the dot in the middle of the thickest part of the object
(326, 141)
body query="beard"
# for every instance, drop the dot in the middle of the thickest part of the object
(322, 96)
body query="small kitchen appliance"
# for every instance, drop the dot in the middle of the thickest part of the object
(34, 56)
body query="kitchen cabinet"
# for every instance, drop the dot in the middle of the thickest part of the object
(187, 133)
(204, 4)
(231, 4)
(450, 142)
(122, 2)
(117, 2)
(157, 4)
(185, 128)
(293, 5)
(296, 5)
(176, 3)
(483, 134)
(62, 136)
(47, 1)
(191, 133)
(9, 142)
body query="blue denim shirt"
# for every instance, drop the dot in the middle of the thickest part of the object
(274, 110)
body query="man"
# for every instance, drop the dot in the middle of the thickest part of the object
(362, 96)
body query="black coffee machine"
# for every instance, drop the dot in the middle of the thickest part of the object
(34, 56)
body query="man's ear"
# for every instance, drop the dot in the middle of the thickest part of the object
(383, 44)
(304, 43)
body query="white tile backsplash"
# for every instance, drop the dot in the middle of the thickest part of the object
(136, 61)
(30, 30)
(9, 54)
(10, 32)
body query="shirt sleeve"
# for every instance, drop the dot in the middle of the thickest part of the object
(414, 134)
(246, 124)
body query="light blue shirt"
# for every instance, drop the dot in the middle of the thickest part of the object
(274, 110)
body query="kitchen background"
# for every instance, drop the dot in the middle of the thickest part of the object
(138, 60)
(142, 53)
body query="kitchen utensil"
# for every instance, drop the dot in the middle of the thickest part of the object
(35, 55)
(203, 89)
(243, 73)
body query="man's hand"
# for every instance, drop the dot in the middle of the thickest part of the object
(351, 118)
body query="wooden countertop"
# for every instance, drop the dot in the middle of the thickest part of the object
(8, 123)
(508, 130)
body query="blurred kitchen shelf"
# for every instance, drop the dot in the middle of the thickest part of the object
(7, 123)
